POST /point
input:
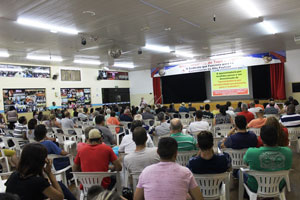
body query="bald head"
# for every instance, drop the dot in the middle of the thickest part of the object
(175, 125)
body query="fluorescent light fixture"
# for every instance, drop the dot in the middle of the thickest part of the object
(87, 61)
(269, 28)
(52, 28)
(124, 65)
(4, 54)
(249, 7)
(181, 62)
(184, 54)
(106, 68)
(163, 49)
(229, 55)
(44, 58)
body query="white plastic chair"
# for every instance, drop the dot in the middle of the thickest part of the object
(149, 122)
(294, 133)
(236, 156)
(183, 157)
(185, 118)
(3, 157)
(79, 134)
(61, 174)
(19, 144)
(210, 122)
(256, 131)
(221, 130)
(3, 181)
(268, 184)
(88, 179)
(112, 129)
(210, 185)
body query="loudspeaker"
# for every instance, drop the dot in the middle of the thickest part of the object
(54, 77)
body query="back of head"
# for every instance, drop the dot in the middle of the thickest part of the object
(207, 106)
(52, 117)
(167, 148)
(32, 124)
(99, 119)
(108, 111)
(252, 105)
(127, 111)
(108, 195)
(161, 116)
(240, 122)
(139, 136)
(244, 107)
(269, 135)
(86, 131)
(94, 191)
(138, 117)
(134, 124)
(85, 110)
(40, 132)
(199, 114)
(22, 120)
(256, 101)
(291, 98)
(239, 104)
(113, 114)
(218, 106)
(183, 104)
(147, 109)
(12, 108)
(291, 109)
(228, 104)
(190, 104)
(32, 160)
(205, 140)
(176, 125)
(67, 114)
(223, 110)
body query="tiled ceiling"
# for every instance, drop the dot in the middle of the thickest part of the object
(185, 25)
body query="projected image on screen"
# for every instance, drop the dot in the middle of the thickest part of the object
(230, 82)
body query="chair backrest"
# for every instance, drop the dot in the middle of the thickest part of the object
(210, 184)
(2, 182)
(268, 182)
(183, 157)
(236, 156)
(135, 179)
(5, 141)
(255, 130)
(88, 179)
(79, 133)
(294, 133)
(149, 122)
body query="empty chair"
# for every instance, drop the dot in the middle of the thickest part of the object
(19, 144)
(294, 133)
(88, 179)
(221, 130)
(255, 130)
(236, 156)
(268, 184)
(183, 157)
(210, 185)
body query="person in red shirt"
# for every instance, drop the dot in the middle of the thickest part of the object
(249, 115)
(96, 156)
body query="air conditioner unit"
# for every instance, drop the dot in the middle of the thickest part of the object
(297, 39)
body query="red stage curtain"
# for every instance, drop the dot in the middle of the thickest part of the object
(157, 90)
(277, 81)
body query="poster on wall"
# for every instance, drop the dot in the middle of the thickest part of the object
(112, 75)
(24, 100)
(75, 97)
(19, 71)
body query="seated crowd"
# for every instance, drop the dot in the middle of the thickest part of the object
(161, 177)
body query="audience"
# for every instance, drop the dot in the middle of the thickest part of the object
(191, 108)
(182, 108)
(96, 156)
(259, 121)
(271, 109)
(275, 105)
(239, 137)
(239, 108)
(291, 119)
(175, 181)
(164, 127)
(222, 117)
(31, 126)
(147, 114)
(293, 101)
(126, 116)
(159, 109)
(217, 110)
(257, 105)
(207, 162)
(108, 112)
(53, 122)
(229, 107)
(253, 109)
(12, 117)
(67, 123)
(270, 157)
(142, 156)
(198, 125)
(20, 130)
(185, 142)
(171, 108)
(128, 145)
(107, 135)
(206, 113)
(249, 116)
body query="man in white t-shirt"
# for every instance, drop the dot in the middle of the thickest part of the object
(127, 145)
(198, 125)
(142, 156)
(253, 109)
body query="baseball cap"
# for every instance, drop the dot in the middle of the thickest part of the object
(94, 134)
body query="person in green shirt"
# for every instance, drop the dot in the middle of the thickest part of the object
(270, 157)
(185, 141)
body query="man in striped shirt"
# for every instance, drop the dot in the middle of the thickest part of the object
(185, 141)
(21, 128)
(290, 119)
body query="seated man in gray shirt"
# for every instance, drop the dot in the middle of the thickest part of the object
(67, 123)
(164, 128)
(142, 156)
(108, 137)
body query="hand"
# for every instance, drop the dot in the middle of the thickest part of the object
(232, 131)
(48, 167)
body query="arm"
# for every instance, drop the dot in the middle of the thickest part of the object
(117, 165)
(139, 194)
(196, 193)
(63, 153)
(57, 124)
(76, 168)
(214, 121)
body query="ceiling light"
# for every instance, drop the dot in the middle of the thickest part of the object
(106, 68)
(184, 54)
(52, 28)
(87, 61)
(44, 58)
(124, 65)
(269, 28)
(89, 12)
(181, 62)
(249, 7)
(4, 54)
(163, 49)
(226, 55)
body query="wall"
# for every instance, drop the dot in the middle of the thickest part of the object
(88, 77)
(292, 72)
(141, 86)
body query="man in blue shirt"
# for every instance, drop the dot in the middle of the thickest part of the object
(182, 108)
(207, 162)
(53, 107)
